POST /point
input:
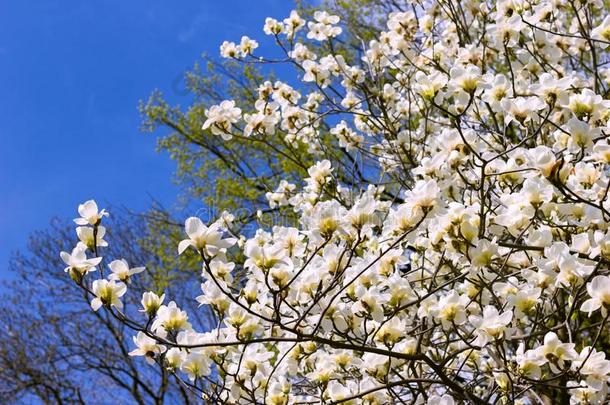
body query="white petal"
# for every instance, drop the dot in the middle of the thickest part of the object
(120, 289)
(193, 226)
(591, 305)
(183, 245)
(96, 303)
(65, 256)
(599, 285)
(87, 209)
(119, 266)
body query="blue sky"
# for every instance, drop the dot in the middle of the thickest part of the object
(71, 75)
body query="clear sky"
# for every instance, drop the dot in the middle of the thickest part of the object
(71, 75)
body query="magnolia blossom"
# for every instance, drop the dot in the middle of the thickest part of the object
(220, 118)
(529, 362)
(466, 79)
(594, 366)
(348, 138)
(522, 109)
(293, 23)
(90, 238)
(229, 50)
(424, 195)
(78, 263)
(273, 26)
(599, 291)
(491, 325)
(121, 271)
(281, 195)
(323, 28)
(146, 346)
(89, 214)
(151, 302)
(581, 134)
(429, 85)
(320, 172)
(451, 309)
(195, 365)
(107, 293)
(247, 45)
(555, 352)
(170, 318)
(552, 90)
(204, 239)
(174, 358)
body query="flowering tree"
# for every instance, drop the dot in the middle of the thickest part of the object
(452, 237)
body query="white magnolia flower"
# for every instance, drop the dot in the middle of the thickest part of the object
(599, 291)
(585, 394)
(552, 90)
(88, 237)
(424, 195)
(301, 53)
(247, 46)
(121, 271)
(174, 358)
(324, 27)
(391, 332)
(320, 172)
(89, 214)
(581, 134)
(78, 263)
(293, 23)
(524, 300)
(203, 238)
(229, 50)
(522, 109)
(497, 89)
(151, 302)
(587, 104)
(467, 79)
(171, 318)
(214, 296)
(195, 365)
(316, 73)
(221, 118)
(529, 362)
(348, 138)
(451, 309)
(243, 322)
(146, 346)
(273, 26)
(491, 325)
(483, 253)
(222, 270)
(281, 195)
(107, 293)
(556, 352)
(594, 366)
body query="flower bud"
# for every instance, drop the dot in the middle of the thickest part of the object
(151, 302)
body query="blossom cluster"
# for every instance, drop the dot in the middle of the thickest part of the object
(467, 257)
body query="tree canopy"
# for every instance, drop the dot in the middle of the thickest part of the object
(406, 202)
